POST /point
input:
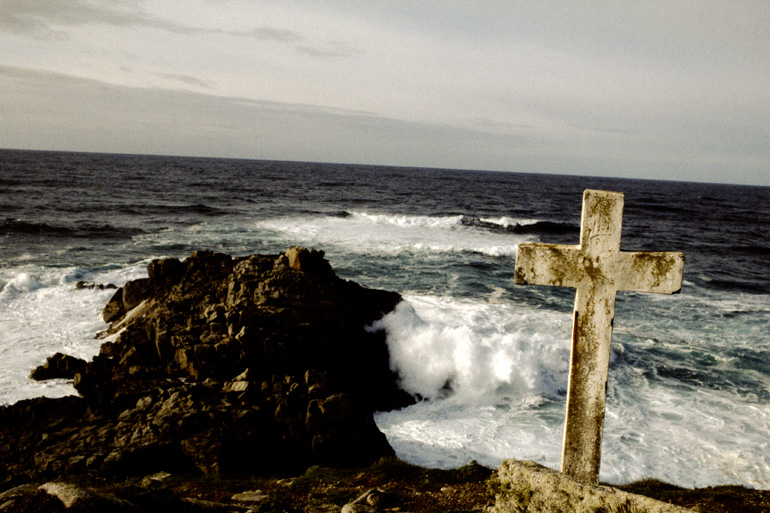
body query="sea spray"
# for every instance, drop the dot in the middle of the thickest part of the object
(472, 350)
(42, 313)
(492, 379)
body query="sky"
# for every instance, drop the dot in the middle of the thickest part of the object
(674, 90)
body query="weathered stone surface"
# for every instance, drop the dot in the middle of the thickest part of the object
(10, 500)
(218, 364)
(81, 499)
(114, 307)
(64, 497)
(68, 494)
(29, 498)
(527, 487)
(357, 508)
(370, 501)
(250, 496)
(134, 292)
(597, 269)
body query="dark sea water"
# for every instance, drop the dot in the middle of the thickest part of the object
(689, 388)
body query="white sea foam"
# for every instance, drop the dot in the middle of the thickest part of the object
(410, 221)
(41, 313)
(19, 284)
(474, 348)
(392, 234)
(506, 222)
(507, 370)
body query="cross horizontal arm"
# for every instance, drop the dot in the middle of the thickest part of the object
(546, 264)
(653, 271)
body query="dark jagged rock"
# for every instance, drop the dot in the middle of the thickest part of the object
(59, 366)
(93, 285)
(217, 364)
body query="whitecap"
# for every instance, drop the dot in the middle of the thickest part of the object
(507, 222)
(20, 284)
(389, 235)
(473, 347)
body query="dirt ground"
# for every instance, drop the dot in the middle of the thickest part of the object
(391, 485)
(406, 487)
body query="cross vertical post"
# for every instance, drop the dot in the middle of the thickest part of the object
(597, 269)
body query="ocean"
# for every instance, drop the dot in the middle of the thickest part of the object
(688, 397)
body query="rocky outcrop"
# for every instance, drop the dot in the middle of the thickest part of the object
(217, 364)
(93, 285)
(59, 365)
(526, 486)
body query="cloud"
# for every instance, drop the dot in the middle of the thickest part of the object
(69, 113)
(42, 18)
(45, 19)
(328, 49)
(43, 110)
(300, 43)
(269, 34)
(186, 79)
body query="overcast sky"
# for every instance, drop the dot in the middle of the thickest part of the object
(644, 89)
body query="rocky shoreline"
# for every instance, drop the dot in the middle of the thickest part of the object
(216, 365)
(388, 485)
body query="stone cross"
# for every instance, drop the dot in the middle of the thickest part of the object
(597, 269)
